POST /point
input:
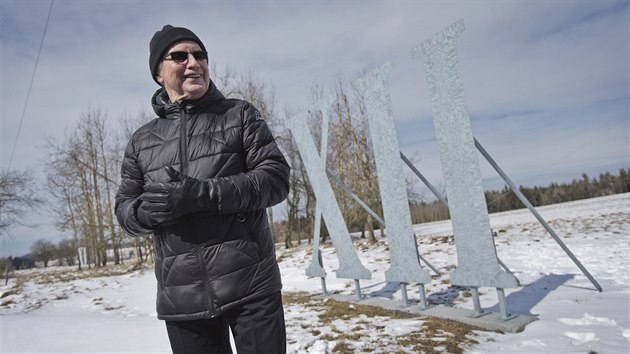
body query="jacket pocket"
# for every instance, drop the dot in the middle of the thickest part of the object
(250, 243)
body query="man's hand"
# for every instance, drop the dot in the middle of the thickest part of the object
(165, 202)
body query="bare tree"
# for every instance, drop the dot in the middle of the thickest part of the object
(104, 156)
(351, 158)
(62, 186)
(66, 252)
(6, 267)
(80, 167)
(17, 198)
(297, 180)
(43, 251)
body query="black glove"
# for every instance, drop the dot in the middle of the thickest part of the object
(144, 216)
(165, 202)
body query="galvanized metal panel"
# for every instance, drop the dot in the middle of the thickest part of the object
(315, 268)
(350, 267)
(405, 266)
(477, 261)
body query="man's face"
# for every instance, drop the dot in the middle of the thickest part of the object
(184, 80)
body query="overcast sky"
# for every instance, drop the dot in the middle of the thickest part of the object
(546, 82)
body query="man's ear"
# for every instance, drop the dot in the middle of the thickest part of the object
(159, 79)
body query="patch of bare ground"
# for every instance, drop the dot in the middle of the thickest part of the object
(66, 274)
(433, 336)
(439, 336)
(6, 296)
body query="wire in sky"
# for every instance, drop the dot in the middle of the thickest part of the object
(30, 87)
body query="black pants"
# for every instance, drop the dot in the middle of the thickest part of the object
(257, 327)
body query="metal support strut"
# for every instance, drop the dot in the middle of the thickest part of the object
(423, 298)
(478, 310)
(370, 211)
(324, 291)
(442, 199)
(403, 288)
(533, 211)
(321, 263)
(357, 287)
(505, 316)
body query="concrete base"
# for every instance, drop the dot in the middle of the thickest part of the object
(489, 322)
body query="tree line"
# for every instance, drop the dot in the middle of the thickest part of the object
(586, 187)
(504, 199)
(83, 176)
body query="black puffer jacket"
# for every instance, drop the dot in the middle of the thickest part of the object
(208, 262)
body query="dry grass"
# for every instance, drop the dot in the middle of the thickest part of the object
(437, 334)
(66, 274)
(434, 335)
(14, 290)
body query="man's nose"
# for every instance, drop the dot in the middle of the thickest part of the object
(192, 62)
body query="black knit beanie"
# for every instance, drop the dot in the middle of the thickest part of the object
(164, 39)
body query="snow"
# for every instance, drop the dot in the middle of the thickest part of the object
(116, 314)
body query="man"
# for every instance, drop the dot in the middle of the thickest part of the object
(199, 178)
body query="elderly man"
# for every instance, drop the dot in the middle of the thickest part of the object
(199, 178)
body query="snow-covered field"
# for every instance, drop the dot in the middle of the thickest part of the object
(57, 311)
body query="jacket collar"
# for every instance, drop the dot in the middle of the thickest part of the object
(163, 107)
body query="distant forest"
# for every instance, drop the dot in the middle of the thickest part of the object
(503, 200)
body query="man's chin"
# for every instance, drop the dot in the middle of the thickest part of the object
(195, 92)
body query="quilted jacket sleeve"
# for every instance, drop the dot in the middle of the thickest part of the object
(266, 180)
(127, 198)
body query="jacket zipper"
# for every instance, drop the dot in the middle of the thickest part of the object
(183, 140)
(206, 281)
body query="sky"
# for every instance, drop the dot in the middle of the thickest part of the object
(546, 83)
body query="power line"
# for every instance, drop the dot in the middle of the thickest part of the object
(30, 87)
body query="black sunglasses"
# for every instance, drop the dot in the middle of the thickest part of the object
(180, 57)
